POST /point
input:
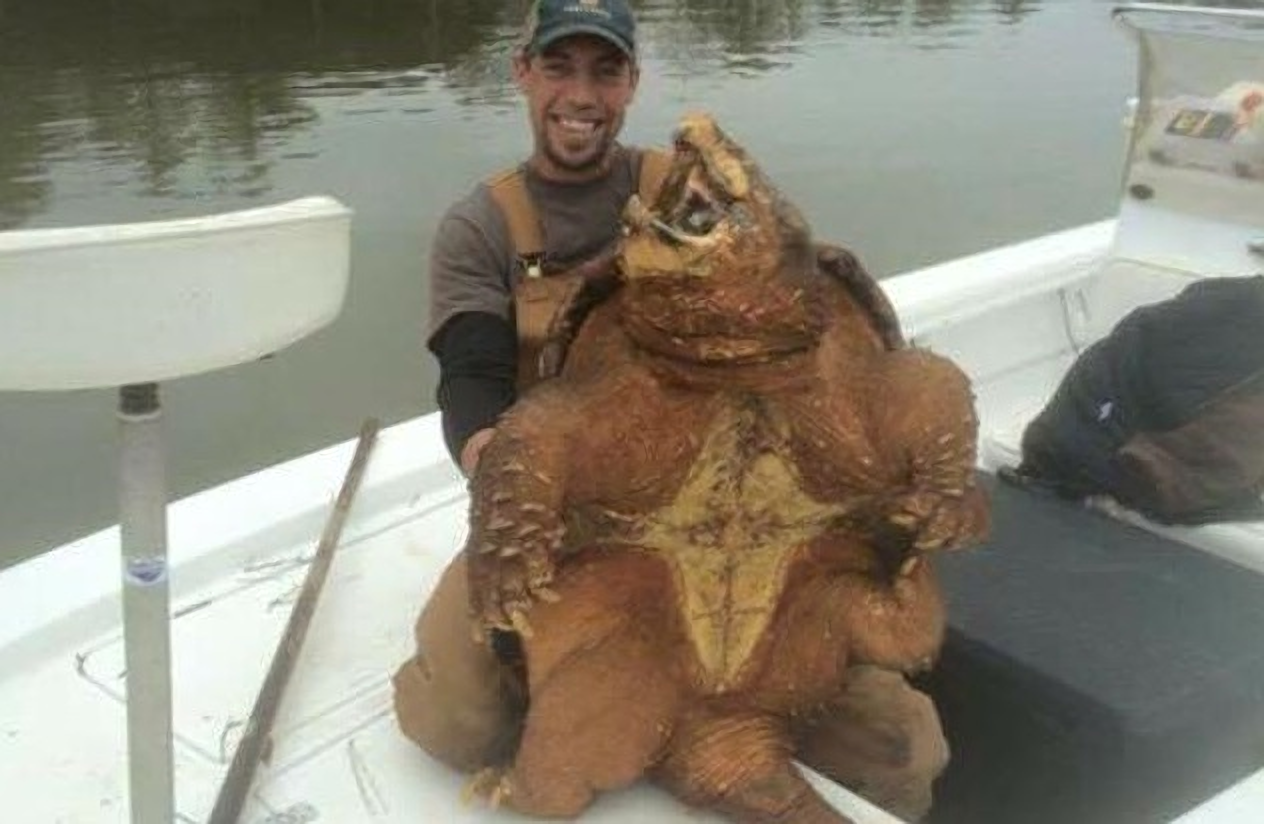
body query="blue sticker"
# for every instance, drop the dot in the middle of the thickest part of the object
(146, 571)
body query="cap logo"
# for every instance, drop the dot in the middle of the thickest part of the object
(587, 7)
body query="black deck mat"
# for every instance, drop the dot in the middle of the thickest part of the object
(1093, 672)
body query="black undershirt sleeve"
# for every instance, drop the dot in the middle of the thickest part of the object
(477, 353)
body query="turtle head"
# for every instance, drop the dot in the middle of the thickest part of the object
(717, 268)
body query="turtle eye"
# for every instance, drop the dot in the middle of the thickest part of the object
(741, 217)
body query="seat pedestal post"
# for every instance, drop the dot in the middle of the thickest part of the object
(146, 604)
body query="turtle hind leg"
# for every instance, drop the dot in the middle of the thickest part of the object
(740, 764)
(603, 688)
(594, 727)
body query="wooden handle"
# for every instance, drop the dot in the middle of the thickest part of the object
(240, 776)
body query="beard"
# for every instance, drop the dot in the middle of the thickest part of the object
(586, 159)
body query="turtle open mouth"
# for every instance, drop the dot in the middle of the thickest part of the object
(686, 215)
(707, 216)
(698, 208)
(701, 192)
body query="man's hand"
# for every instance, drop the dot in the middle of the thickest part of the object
(473, 449)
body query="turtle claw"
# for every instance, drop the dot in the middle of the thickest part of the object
(904, 520)
(935, 520)
(511, 564)
(546, 595)
(490, 784)
(520, 624)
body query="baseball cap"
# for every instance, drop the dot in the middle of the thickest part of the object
(551, 20)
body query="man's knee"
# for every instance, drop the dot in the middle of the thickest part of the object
(907, 787)
(911, 716)
(882, 739)
(465, 726)
(453, 698)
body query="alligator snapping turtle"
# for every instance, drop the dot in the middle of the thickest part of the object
(717, 506)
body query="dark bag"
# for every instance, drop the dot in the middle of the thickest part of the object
(1166, 413)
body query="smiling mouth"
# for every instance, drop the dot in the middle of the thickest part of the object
(577, 127)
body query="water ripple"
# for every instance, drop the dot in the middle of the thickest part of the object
(177, 94)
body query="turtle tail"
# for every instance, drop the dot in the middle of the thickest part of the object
(740, 764)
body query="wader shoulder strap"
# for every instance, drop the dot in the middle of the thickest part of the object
(541, 303)
(509, 192)
(655, 164)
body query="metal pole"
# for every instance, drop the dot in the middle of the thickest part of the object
(146, 599)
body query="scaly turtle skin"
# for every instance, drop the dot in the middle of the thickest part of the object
(719, 504)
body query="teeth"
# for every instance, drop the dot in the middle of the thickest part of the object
(585, 126)
(681, 238)
(670, 232)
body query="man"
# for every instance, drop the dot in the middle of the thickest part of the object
(578, 74)
(458, 699)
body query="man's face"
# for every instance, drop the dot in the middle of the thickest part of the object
(577, 90)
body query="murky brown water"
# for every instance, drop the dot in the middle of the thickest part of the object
(913, 130)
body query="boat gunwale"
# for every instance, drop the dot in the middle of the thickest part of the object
(308, 210)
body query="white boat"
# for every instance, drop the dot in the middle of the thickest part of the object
(232, 559)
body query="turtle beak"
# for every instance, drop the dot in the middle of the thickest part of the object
(639, 217)
(672, 235)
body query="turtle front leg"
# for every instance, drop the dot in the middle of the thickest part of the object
(927, 415)
(516, 526)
